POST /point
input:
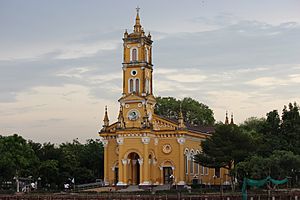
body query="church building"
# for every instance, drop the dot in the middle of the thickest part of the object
(142, 148)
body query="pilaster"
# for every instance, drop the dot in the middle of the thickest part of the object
(106, 168)
(146, 141)
(120, 141)
(181, 179)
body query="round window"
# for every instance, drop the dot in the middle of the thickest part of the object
(133, 72)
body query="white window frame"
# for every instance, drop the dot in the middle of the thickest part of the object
(192, 171)
(134, 88)
(137, 54)
(186, 159)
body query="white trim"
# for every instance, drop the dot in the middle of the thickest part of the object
(129, 85)
(207, 170)
(134, 86)
(133, 71)
(186, 163)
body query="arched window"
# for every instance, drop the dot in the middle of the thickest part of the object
(137, 85)
(206, 171)
(130, 85)
(197, 165)
(192, 162)
(134, 54)
(217, 172)
(186, 160)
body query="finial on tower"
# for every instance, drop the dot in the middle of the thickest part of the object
(226, 118)
(180, 119)
(125, 33)
(137, 26)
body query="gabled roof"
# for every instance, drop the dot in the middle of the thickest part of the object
(208, 129)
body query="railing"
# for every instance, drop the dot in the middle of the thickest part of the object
(88, 186)
(178, 196)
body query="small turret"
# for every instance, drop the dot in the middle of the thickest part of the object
(231, 120)
(181, 124)
(226, 118)
(121, 123)
(105, 120)
(125, 33)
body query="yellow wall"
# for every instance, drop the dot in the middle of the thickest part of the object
(176, 158)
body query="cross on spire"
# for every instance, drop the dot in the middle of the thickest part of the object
(137, 26)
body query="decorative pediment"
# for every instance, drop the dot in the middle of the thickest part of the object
(160, 123)
(131, 98)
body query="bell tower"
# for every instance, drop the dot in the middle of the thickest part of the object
(137, 101)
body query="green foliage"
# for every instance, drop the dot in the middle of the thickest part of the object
(193, 111)
(53, 164)
(279, 165)
(17, 158)
(226, 147)
(277, 145)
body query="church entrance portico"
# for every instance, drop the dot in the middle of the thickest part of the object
(133, 169)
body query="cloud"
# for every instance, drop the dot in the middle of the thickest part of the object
(267, 81)
(240, 66)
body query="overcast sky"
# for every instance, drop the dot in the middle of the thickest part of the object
(60, 61)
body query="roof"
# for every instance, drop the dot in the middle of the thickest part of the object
(198, 128)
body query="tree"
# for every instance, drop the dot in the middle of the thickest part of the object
(193, 111)
(17, 158)
(225, 148)
(290, 127)
(49, 173)
(92, 157)
(279, 165)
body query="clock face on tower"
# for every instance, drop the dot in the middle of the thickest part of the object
(133, 115)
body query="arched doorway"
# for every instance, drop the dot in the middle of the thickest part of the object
(168, 176)
(133, 169)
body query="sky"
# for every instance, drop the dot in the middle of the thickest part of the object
(60, 61)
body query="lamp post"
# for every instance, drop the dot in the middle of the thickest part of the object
(38, 183)
(17, 182)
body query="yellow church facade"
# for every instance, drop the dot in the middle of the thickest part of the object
(143, 148)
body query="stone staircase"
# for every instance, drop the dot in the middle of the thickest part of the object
(131, 188)
(162, 187)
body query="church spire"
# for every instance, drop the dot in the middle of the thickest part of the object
(226, 118)
(137, 26)
(180, 119)
(121, 123)
(231, 120)
(105, 120)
